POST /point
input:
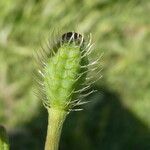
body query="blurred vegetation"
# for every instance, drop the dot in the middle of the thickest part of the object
(118, 117)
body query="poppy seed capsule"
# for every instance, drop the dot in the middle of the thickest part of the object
(62, 80)
(64, 74)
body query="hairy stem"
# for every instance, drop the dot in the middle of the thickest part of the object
(56, 119)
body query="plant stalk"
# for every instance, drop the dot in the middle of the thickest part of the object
(56, 119)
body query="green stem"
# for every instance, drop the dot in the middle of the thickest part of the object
(4, 144)
(56, 119)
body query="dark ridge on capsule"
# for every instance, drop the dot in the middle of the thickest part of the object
(77, 37)
(65, 38)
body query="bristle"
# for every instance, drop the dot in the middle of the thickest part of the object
(50, 57)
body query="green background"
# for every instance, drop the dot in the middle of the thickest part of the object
(118, 118)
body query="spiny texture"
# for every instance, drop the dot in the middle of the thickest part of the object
(3, 139)
(64, 72)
